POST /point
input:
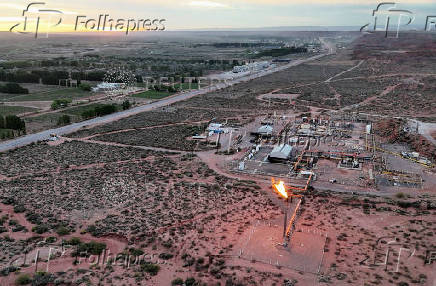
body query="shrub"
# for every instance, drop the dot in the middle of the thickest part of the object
(19, 209)
(74, 241)
(190, 281)
(91, 248)
(42, 279)
(85, 86)
(64, 120)
(100, 110)
(14, 122)
(40, 229)
(150, 268)
(126, 104)
(23, 279)
(13, 88)
(177, 281)
(60, 103)
(400, 195)
(62, 230)
(165, 256)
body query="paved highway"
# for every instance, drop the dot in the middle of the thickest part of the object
(44, 135)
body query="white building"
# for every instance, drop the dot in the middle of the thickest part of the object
(108, 86)
(281, 153)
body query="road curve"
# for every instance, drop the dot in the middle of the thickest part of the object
(44, 135)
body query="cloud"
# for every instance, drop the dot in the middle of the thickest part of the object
(230, 3)
(207, 4)
(10, 19)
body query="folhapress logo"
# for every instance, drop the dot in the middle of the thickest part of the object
(33, 18)
(37, 17)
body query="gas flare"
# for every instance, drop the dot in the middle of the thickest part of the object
(280, 187)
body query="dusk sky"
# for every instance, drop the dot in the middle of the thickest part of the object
(213, 14)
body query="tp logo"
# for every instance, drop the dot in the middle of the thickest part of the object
(36, 19)
(388, 11)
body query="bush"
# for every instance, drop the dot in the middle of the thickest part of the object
(23, 279)
(64, 120)
(190, 281)
(74, 241)
(40, 229)
(136, 252)
(400, 195)
(126, 104)
(177, 281)
(60, 103)
(150, 268)
(165, 256)
(91, 248)
(62, 230)
(13, 88)
(19, 209)
(14, 122)
(85, 86)
(99, 111)
(42, 279)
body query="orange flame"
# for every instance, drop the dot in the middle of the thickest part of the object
(280, 187)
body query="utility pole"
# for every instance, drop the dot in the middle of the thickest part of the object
(230, 141)
(285, 222)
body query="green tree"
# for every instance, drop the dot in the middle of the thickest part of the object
(13, 88)
(15, 123)
(64, 120)
(126, 104)
(2, 122)
(85, 86)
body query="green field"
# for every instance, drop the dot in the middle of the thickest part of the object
(14, 110)
(152, 94)
(67, 93)
(50, 120)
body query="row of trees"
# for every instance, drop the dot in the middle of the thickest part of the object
(100, 110)
(12, 122)
(281, 52)
(13, 88)
(47, 77)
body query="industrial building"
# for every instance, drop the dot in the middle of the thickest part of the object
(264, 131)
(108, 86)
(251, 67)
(281, 153)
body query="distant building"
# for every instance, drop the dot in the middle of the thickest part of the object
(368, 129)
(281, 153)
(264, 131)
(251, 67)
(215, 128)
(108, 86)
